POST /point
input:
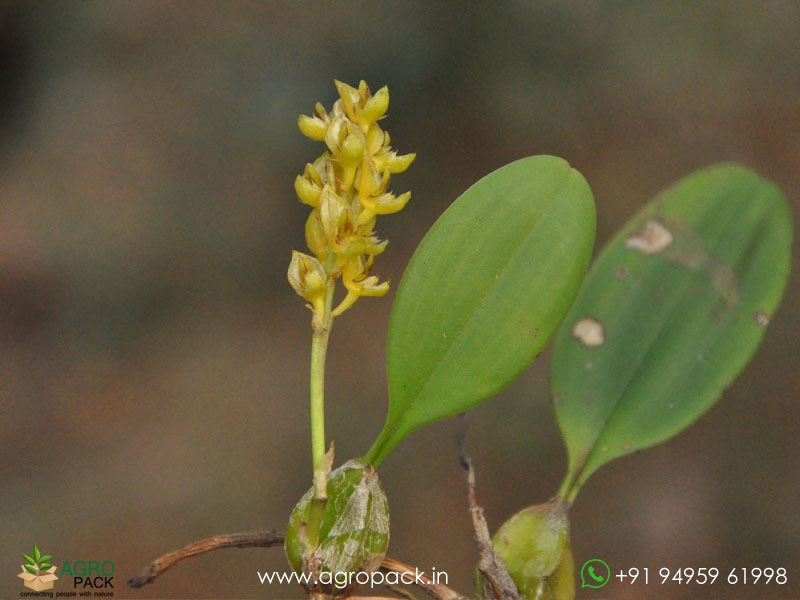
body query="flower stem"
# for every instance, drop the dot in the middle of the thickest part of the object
(319, 347)
(321, 325)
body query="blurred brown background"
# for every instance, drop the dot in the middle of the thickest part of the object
(153, 358)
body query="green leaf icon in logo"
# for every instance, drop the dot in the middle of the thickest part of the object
(37, 562)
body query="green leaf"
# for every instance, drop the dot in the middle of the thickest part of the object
(44, 559)
(485, 291)
(36, 554)
(28, 559)
(30, 570)
(670, 313)
(45, 566)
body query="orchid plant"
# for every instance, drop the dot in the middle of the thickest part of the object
(646, 340)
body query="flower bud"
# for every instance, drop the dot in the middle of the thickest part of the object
(375, 107)
(307, 277)
(345, 143)
(348, 535)
(386, 204)
(357, 280)
(316, 239)
(351, 150)
(337, 218)
(534, 544)
(398, 164)
(306, 190)
(350, 97)
(376, 139)
(371, 181)
(312, 127)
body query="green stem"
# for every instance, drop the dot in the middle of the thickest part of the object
(321, 326)
(570, 487)
(319, 347)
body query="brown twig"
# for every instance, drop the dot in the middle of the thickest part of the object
(492, 567)
(265, 539)
(254, 539)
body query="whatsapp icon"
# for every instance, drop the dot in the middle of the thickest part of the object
(595, 573)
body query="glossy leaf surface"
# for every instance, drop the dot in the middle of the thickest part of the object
(485, 292)
(670, 313)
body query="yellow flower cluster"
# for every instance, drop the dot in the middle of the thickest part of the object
(347, 187)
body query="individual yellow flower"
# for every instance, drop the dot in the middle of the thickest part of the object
(314, 127)
(361, 106)
(358, 282)
(316, 239)
(338, 220)
(307, 277)
(372, 192)
(308, 186)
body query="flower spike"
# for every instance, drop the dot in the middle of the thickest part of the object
(347, 187)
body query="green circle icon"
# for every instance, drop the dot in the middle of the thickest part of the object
(595, 573)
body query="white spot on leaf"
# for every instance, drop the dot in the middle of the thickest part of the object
(590, 332)
(654, 238)
(762, 318)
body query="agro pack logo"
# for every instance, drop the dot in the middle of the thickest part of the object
(91, 574)
(37, 572)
